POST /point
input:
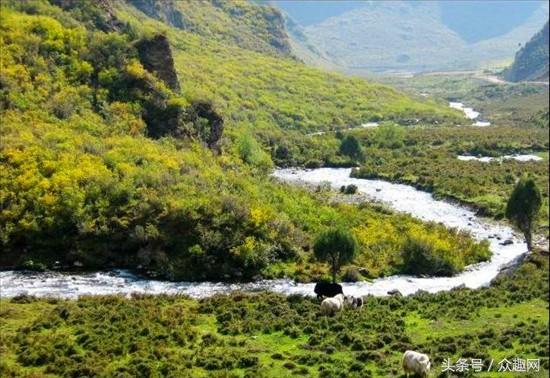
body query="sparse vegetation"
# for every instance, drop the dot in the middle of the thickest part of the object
(270, 335)
(428, 160)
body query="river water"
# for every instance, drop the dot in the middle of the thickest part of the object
(399, 197)
(488, 159)
(470, 113)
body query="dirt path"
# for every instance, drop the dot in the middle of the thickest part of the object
(497, 80)
(481, 76)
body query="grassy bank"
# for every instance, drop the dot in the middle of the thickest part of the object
(502, 104)
(427, 158)
(268, 335)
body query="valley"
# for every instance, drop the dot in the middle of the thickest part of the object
(170, 169)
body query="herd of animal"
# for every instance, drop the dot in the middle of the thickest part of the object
(333, 300)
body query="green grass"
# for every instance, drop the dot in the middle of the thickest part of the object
(426, 158)
(269, 335)
(502, 104)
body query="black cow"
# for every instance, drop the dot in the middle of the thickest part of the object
(327, 289)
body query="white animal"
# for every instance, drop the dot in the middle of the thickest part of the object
(330, 306)
(356, 302)
(416, 363)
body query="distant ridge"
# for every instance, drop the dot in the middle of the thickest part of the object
(411, 37)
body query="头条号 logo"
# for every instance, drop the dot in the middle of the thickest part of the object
(477, 365)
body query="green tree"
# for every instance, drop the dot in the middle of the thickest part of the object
(523, 206)
(389, 135)
(336, 247)
(350, 146)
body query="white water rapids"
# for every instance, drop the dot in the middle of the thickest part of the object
(399, 197)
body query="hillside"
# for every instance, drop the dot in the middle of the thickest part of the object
(531, 61)
(240, 23)
(130, 142)
(385, 37)
(147, 231)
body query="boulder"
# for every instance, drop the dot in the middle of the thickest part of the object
(507, 242)
(212, 135)
(395, 293)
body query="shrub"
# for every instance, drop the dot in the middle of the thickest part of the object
(350, 146)
(350, 189)
(313, 164)
(351, 274)
(248, 361)
(23, 298)
(33, 266)
(421, 257)
(289, 365)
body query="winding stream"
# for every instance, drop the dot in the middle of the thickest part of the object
(399, 197)
(470, 113)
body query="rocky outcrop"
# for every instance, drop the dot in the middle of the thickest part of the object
(156, 57)
(277, 30)
(164, 10)
(99, 13)
(214, 131)
(165, 119)
(531, 61)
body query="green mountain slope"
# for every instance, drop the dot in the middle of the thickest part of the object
(107, 161)
(237, 22)
(269, 93)
(531, 62)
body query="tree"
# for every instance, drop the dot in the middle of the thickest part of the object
(351, 147)
(523, 206)
(389, 135)
(336, 247)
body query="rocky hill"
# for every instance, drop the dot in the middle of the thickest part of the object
(531, 61)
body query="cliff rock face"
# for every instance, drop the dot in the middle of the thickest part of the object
(99, 12)
(156, 56)
(161, 10)
(252, 27)
(277, 30)
(211, 135)
(531, 62)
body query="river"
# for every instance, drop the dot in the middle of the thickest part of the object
(470, 113)
(399, 197)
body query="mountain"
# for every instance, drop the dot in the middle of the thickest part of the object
(141, 134)
(406, 36)
(531, 61)
(240, 23)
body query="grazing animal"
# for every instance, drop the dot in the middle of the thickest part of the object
(416, 363)
(327, 289)
(330, 306)
(357, 302)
